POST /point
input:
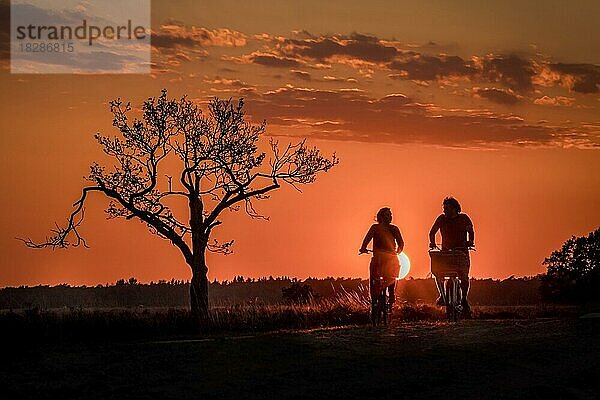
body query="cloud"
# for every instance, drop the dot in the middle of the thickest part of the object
(174, 43)
(44, 16)
(512, 75)
(554, 101)
(170, 40)
(367, 53)
(397, 99)
(301, 74)
(174, 35)
(270, 60)
(106, 61)
(265, 59)
(329, 78)
(428, 68)
(303, 48)
(356, 46)
(512, 71)
(499, 96)
(581, 78)
(236, 83)
(396, 118)
(92, 61)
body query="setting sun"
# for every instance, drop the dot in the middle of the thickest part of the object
(404, 265)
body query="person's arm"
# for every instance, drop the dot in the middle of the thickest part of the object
(399, 240)
(470, 232)
(433, 231)
(366, 240)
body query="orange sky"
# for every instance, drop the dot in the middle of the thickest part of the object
(503, 115)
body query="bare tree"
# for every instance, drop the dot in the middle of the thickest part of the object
(219, 168)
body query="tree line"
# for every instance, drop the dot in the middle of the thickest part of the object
(240, 290)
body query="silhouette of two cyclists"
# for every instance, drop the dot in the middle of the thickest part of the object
(456, 229)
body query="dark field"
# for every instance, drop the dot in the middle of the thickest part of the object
(473, 359)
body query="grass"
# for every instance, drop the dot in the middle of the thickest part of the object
(124, 324)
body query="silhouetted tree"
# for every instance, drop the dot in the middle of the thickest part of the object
(574, 271)
(219, 168)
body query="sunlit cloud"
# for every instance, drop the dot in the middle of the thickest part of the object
(396, 118)
(513, 75)
(301, 74)
(346, 107)
(174, 35)
(499, 96)
(174, 44)
(232, 83)
(329, 78)
(582, 78)
(554, 101)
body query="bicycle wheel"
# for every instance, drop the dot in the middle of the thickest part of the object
(388, 311)
(450, 300)
(378, 310)
(374, 311)
(457, 302)
(384, 309)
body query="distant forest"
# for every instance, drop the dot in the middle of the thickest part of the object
(174, 293)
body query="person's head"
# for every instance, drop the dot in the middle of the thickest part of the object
(384, 216)
(451, 206)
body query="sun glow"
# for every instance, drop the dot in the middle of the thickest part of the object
(404, 265)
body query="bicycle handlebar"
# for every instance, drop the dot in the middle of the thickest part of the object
(372, 251)
(438, 248)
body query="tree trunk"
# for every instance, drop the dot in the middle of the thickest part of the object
(199, 285)
(197, 262)
(199, 292)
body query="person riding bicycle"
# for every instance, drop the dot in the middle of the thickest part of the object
(457, 235)
(387, 244)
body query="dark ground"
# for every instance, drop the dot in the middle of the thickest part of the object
(474, 359)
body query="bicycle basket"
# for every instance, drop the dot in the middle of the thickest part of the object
(448, 262)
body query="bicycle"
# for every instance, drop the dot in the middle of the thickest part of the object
(449, 266)
(381, 307)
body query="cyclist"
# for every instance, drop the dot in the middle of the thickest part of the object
(387, 244)
(457, 234)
